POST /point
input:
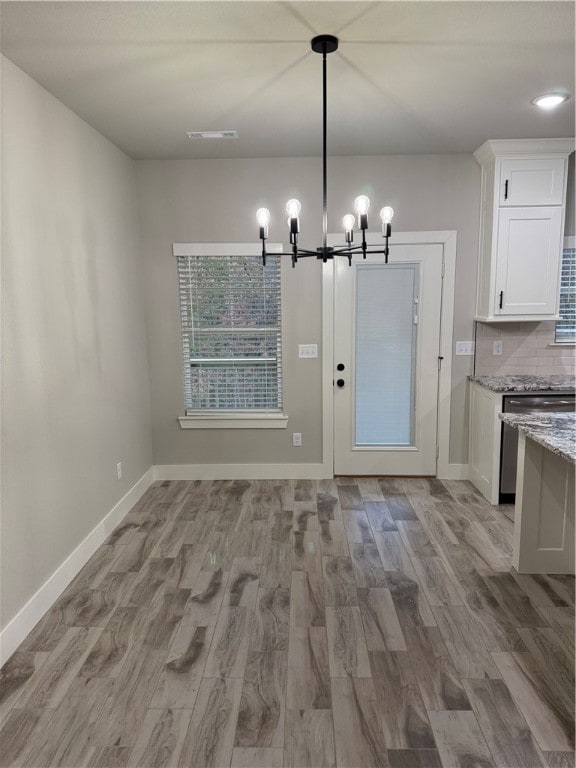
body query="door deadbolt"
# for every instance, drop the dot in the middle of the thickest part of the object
(340, 367)
(340, 383)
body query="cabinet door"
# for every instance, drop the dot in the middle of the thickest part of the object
(528, 261)
(485, 437)
(536, 181)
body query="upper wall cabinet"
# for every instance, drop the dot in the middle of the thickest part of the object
(532, 181)
(521, 228)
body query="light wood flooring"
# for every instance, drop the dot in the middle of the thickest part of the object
(356, 622)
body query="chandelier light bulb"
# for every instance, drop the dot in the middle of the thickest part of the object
(348, 221)
(263, 217)
(387, 214)
(293, 208)
(362, 203)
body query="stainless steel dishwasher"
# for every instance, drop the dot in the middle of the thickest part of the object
(546, 403)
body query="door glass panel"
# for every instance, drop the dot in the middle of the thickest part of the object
(386, 307)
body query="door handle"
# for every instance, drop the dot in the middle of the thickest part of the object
(340, 383)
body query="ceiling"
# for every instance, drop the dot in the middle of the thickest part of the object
(409, 77)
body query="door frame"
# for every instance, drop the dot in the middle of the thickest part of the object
(446, 238)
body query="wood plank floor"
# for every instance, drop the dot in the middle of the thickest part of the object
(354, 622)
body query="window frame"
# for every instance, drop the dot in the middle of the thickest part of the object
(568, 245)
(240, 419)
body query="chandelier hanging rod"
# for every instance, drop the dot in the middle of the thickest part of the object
(326, 44)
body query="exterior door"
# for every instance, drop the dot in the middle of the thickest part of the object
(386, 349)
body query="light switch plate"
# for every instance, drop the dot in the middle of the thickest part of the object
(464, 347)
(308, 350)
(497, 348)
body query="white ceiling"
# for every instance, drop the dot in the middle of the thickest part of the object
(409, 77)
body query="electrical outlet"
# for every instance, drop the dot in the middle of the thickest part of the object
(497, 348)
(297, 439)
(308, 350)
(464, 347)
(119, 470)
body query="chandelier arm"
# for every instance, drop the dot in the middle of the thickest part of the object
(344, 251)
(358, 249)
(301, 253)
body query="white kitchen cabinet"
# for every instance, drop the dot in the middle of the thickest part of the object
(523, 201)
(527, 260)
(485, 439)
(544, 516)
(533, 181)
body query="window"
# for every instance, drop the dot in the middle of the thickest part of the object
(231, 331)
(566, 327)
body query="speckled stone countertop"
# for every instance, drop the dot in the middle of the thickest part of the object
(526, 383)
(555, 431)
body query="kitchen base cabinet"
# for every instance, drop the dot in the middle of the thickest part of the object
(544, 519)
(485, 439)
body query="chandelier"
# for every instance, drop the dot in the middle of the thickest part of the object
(326, 44)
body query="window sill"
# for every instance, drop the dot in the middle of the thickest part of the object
(235, 421)
(564, 344)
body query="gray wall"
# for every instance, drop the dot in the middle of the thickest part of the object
(215, 201)
(75, 395)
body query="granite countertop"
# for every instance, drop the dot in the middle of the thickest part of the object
(555, 431)
(526, 383)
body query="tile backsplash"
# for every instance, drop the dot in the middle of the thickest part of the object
(526, 348)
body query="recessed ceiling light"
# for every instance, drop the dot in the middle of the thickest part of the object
(549, 100)
(212, 134)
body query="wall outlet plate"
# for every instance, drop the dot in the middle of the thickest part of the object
(308, 350)
(464, 347)
(119, 470)
(497, 348)
(297, 439)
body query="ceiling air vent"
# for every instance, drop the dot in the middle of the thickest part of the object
(212, 134)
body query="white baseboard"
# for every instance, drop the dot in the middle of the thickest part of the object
(241, 472)
(453, 472)
(27, 618)
(272, 472)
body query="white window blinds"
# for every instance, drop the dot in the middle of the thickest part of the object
(385, 353)
(566, 327)
(231, 333)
